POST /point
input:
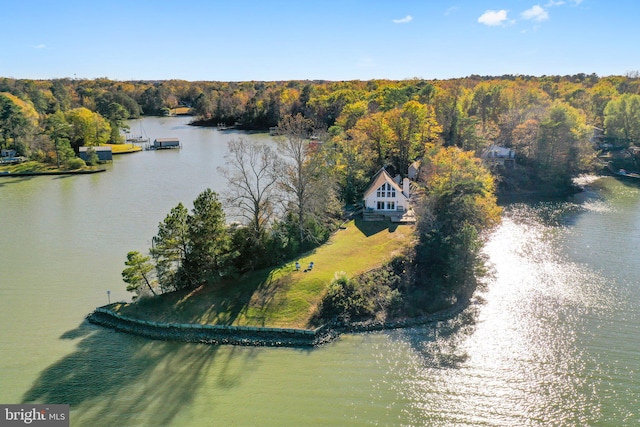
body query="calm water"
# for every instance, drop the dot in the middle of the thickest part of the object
(551, 339)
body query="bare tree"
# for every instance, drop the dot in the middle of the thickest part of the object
(305, 177)
(251, 173)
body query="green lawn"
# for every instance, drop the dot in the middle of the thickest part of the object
(280, 297)
(123, 148)
(32, 166)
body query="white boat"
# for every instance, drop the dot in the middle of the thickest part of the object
(136, 139)
(133, 138)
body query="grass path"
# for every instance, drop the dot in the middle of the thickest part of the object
(280, 297)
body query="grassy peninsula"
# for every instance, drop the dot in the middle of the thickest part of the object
(35, 167)
(281, 296)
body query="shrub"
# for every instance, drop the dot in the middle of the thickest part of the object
(373, 294)
(92, 157)
(75, 163)
(345, 299)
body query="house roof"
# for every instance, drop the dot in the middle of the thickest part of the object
(380, 178)
(496, 151)
(95, 148)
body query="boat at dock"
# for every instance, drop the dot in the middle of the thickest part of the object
(136, 139)
(140, 138)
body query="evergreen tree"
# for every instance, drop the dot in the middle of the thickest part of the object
(209, 241)
(171, 248)
(138, 272)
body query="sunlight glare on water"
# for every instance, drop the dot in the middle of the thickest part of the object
(512, 358)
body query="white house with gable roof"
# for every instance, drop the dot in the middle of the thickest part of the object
(385, 196)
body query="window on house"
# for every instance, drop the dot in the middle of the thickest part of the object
(391, 206)
(380, 206)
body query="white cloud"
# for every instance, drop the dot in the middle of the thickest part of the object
(553, 3)
(40, 46)
(404, 20)
(451, 10)
(536, 13)
(493, 18)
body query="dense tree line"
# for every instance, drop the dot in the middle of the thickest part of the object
(391, 118)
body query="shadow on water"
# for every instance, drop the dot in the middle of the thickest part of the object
(4, 181)
(440, 345)
(112, 376)
(559, 212)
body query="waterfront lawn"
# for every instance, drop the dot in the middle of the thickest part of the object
(123, 148)
(179, 111)
(30, 166)
(37, 167)
(282, 296)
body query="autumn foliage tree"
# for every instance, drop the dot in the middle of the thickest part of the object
(87, 128)
(622, 118)
(459, 204)
(562, 144)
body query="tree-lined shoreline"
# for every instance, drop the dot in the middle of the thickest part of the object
(547, 120)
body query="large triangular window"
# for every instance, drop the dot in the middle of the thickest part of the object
(386, 190)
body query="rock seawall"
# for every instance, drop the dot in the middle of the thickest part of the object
(212, 334)
(257, 336)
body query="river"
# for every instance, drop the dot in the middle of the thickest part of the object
(550, 339)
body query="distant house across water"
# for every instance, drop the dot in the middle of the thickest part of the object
(105, 154)
(495, 155)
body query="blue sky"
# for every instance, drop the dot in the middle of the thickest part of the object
(238, 40)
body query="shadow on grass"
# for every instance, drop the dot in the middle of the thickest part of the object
(369, 228)
(631, 182)
(118, 379)
(219, 303)
(266, 298)
(234, 297)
